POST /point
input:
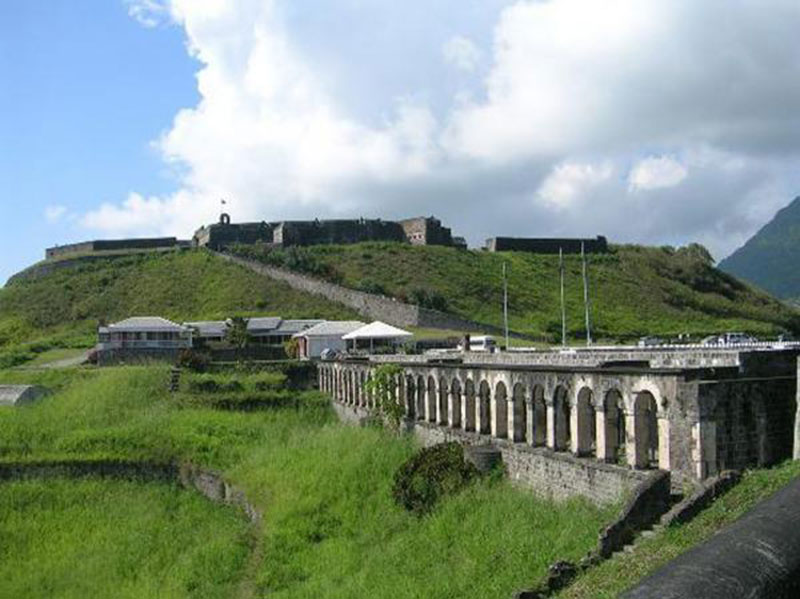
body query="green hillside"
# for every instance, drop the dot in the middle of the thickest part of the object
(60, 307)
(769, 258)
(634, 290)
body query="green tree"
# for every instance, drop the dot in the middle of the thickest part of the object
(237, 332)
(382, 385)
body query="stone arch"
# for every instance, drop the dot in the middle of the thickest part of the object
(430, 412)
(455, 403)
(562, 412)
(411, 397)
(614, 435)
(420, 398)
(500, 411)
(645, 430)
(441, 409)
(586, 441)
(224, 218)
(483, 412)
(519, 413)
(538, 436)
(469, 405)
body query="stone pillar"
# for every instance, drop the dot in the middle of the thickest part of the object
(574, 432)
(529, 438)
(479, 423)
(704, 448)
(464, 409)
(493, 416)
(454, 409)
(663, 443)
(511, 418)
(604, 450)
(551, 426)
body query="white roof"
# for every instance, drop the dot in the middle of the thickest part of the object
(152, 324)
(332, 328)
(290, 327)
(377, 330)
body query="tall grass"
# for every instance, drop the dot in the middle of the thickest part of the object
(103, 538)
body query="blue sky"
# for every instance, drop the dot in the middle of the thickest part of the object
(628, 118)
(84, 90)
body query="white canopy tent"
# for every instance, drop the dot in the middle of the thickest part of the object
(377, 331)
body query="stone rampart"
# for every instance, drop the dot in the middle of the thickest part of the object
(376, 307)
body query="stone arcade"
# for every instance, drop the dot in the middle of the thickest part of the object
(692, 412)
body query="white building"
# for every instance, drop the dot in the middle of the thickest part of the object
(325, 335)
(144, 333)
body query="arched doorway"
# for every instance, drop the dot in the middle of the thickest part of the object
(484, 396)
(455, 394)
(431, 412)
(411, 398)
(442, 411)
(500, 413)
(420, 398)
(587, 431)
(614, 433)
(645, 433)
(469, 405)
(562, 435)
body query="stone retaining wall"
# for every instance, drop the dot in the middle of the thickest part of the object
(550, 475)
(376, 307)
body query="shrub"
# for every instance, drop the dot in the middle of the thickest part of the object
(432, 473)
(192, 360)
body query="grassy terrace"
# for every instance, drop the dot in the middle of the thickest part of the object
(330, 528)
(635, 290)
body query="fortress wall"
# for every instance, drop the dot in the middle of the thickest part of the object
(376, 307)
(547, 245)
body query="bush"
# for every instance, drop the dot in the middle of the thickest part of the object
(432, 473)
(192, 360)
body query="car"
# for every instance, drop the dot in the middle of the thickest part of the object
(711, 340)
(737, 339)
(650, 341)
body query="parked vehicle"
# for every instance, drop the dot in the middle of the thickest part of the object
(485, 343)
(650, 341)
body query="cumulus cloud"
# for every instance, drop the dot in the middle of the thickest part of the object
(656, 173)
(585, 107)
(462, 53)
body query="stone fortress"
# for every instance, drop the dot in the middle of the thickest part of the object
(416, 231)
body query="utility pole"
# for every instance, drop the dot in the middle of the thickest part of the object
(586, 298)
(505, 303)
(563, 307)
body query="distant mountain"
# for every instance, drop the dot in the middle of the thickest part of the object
(771, 258)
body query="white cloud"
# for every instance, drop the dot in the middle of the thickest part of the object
(576, 91)
(462, 53)
(569, 181)
(54, 212)
(656, 172)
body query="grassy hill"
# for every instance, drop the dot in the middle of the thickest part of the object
(59, 305)
(634, 290)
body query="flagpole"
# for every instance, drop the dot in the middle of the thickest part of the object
(563, 307)
(505, 303)
(586, 297)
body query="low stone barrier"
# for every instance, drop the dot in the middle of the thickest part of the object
(709, 490)
(209, 483)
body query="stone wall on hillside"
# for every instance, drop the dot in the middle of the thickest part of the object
(548, 474)
(376, 307)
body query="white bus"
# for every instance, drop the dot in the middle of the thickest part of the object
(482, 343)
